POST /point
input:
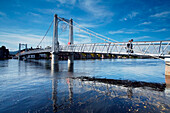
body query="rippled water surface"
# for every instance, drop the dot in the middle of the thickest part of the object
(109, 85)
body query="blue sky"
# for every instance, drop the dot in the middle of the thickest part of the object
(26, 21)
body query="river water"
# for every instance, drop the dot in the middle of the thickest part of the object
(108, 85)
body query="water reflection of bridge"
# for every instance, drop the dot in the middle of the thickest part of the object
(154, 93)
(147, 94)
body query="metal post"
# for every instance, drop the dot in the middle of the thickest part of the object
(71, 56)
(26, 51)
(160, 47)
(55, 43)
(19, 51)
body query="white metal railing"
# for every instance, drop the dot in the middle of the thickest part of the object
(154, 48)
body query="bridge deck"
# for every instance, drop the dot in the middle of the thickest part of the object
(148, 48)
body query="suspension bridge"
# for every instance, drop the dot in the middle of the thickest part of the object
(156, 49)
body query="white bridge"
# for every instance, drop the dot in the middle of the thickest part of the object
(147, 48)
(156, 49)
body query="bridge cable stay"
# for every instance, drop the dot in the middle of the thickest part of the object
(45, 33)
(95, 32)
(84, 30)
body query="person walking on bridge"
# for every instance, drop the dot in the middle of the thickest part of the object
(131, 46)
(128, 47)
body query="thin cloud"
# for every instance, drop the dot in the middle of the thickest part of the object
(81, 35)
(67, 1)
(87, 25)
(168, 38)
(13, 39)
(2, 14)
(145, 23)
(133, 31)
(34, 14)
(121, 32)
(151, 30)
(129, 16)
(82, 38)
(96, 10)
(72, 2)
(162, 14)
(160, 30)
(82, 41)
(52, 11)
(141, 38)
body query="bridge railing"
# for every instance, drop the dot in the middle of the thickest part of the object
(36, 51)
(154, 48)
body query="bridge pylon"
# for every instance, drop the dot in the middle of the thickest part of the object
(71, 55)
(19, 51)
(55, 43)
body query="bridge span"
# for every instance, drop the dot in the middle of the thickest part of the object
(146, 48)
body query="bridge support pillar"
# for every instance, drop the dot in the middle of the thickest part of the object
(71, 58)
(103, 56)
(71, 55)
(54, 59)
(26, 56)
(167, 66)
(19, 51)
(167, 72)
(37, 56)
(70, 67)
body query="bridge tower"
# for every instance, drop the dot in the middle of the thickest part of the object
(19, 51)
(55, 43)
(71, 55)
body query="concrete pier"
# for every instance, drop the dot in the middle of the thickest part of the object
(54, 58)
(167, 66)
(19, 51)
(167, 72)
(70, 67)
(37, 56)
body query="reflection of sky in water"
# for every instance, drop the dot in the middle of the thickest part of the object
(140, 70)
(27, 86)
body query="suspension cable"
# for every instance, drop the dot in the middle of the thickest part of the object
(83, 30)
(95, 32)
(45, 33)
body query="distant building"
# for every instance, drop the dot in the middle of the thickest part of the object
(4, 53)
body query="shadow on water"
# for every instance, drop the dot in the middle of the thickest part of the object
(126, 83)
